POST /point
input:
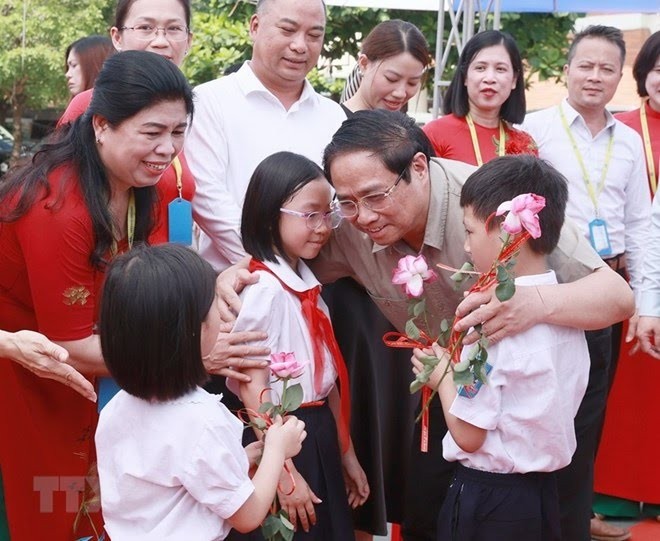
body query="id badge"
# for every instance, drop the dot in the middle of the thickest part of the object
(599, 237)
(179, 214)
(106, 389)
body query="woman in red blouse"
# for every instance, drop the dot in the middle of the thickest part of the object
(88, 194)
(485, 97)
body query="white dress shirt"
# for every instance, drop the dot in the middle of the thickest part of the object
(238, 123)
(170, 470)
(268, 307)
(624, 202)
(534, 391)
(650, 302)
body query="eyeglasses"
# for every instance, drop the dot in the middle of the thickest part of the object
(378, 201)
(147, 32)
(313, 220)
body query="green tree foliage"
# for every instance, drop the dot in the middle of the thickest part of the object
(34, 35)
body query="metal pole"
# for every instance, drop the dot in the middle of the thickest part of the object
(439, 53)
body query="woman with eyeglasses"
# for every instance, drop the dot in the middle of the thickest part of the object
(392, 64)
(485, 97)
(161, 27)
(87, 195)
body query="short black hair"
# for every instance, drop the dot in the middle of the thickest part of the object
(645, 62)
(504, 178)
(608, 33)
(154, 301)
(275, 180)
(391, 136)
(456, 98)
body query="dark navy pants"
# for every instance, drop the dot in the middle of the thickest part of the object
(484, 506)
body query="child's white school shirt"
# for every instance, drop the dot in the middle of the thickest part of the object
(170, 470)
(268, 307)
(535, 388)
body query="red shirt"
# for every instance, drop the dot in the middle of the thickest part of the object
(631, 119)
(450, 137)
(166, 187)
(47, 284)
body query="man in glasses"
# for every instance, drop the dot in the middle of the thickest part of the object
(398, 201)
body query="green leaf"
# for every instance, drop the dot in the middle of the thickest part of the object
(444, 325)
(463, 378)
(419, 307)
(462, 366)
(430, 361)
(502, 274)
(293, 398)
(505, 290)
(265, 407)
(285, 521)
(474, 352)
(412, 330)
(416, 385)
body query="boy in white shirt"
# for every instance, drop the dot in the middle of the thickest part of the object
(513, 434)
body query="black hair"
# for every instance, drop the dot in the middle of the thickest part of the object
(129, 82)
(274, 182)
(92, 52)
(608, 33)
(456, 98)
(154, 301)
(506, 177)
(645, 62)
(391, 136)
(124, 6)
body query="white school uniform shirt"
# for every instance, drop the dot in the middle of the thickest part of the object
(534, 390)
(238, 123)
(170, 470)
(268, 307)
(650, 302)
(624, 202)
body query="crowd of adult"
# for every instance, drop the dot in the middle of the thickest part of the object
(136, 158)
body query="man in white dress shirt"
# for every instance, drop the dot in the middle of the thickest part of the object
(603, 161)
(265, 107)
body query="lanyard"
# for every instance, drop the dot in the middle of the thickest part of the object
(650, 161)
(475, 141)
(130, 224)
(178, 170)
(593, 194)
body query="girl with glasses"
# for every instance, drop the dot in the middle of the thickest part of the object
(287, 217)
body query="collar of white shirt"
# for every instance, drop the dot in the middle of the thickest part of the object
(303, 281)
(248, 83)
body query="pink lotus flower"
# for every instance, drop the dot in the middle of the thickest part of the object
(522, 214)
(412, 272)
(285, 366)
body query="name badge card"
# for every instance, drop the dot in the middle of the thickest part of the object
(179, 213)
(599, 237)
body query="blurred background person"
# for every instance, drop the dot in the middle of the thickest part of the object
(83, 60)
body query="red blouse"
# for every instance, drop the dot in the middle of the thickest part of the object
(450, 137)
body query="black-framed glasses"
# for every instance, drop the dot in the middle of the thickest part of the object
(313, 220)
(147, 32)
(377, 202)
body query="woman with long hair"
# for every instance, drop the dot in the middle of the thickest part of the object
(83, 60)
(87, 195)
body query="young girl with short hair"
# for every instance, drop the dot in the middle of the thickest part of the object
(170, 460)
(287, 217)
